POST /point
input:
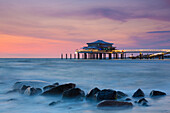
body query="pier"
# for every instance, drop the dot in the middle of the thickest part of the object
(104, 50)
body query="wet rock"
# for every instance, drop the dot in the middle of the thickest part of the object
(92, 94)
(143, 102)
(157, 93)
(106, 94)
(112, 103)
(46, 88)
(12, 99)
(58, 90)
(22, 90)
(120, 94)
(54, 103)
(128, 99)
(74, 93)
(138, 93)
(32, 83)
(12, 91)
(30, 91)
(56, 84)
(38, 91)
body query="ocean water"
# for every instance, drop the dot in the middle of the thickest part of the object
(123, 75)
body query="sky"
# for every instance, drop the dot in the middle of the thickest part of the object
(47, 28)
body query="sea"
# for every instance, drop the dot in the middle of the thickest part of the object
(121, 75)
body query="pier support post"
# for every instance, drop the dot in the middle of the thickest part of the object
(147, 56)
(93, 55)
(97, 57)
(104, 55)
(74, 56)
(141, 56)
(61, 56)
(78, 55)
(116, 55)
(100, 55)
(70, 56)
(110, 56)
(162, 55)
(66, 56)
(85, 55)
(121, 55)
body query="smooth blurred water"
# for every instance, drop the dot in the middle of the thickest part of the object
(124, 75)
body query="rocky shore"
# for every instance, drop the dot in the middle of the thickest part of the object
(104, 98)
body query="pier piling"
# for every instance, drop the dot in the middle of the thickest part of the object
(78, 55)
(74, 56)
(66, 56)
(110, 56)
(70, 56)
(100, 55)
(61, 56)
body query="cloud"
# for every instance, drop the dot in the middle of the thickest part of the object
(160, 41)
(159, 32)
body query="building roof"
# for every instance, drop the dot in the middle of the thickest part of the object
(100, 42)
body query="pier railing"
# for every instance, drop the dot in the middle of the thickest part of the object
(125, 51)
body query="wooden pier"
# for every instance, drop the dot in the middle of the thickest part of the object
(104, 50)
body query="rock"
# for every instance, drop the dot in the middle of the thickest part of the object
(58, 90)
(120, 94)
(56, 84)
(12, 91)
(112, 103)
(92, 94)
(12, 99)
(138, 93)
(22, 90)
(157, 93)
(128, 99)
(106, 94)
(32, 83)
(30, 91)
(46, 88)
(74, 93)
(143, 102)
(54, 103)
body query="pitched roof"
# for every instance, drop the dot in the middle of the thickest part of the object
(100, 42)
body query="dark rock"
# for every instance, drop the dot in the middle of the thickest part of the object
(112, 103)
(32, 83)
(22, 90)
(46, 88)
(30, 91)
(128, 99)
(58, 90)
(74, 93)
(38, 90)
(54, 103)
(142, 100)
(56, 84)
(138, 93)
(120, 94)
(92, 94)
(12, 91)
(12, 99)
(157, 93)
(106, 94)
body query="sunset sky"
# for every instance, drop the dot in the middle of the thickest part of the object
(47, 28)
